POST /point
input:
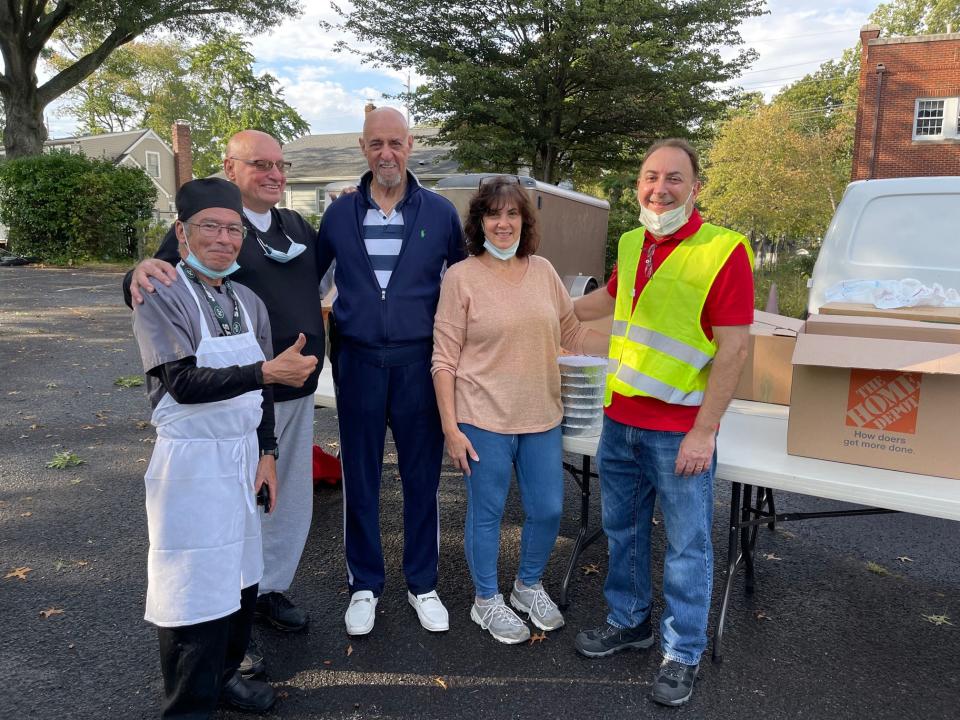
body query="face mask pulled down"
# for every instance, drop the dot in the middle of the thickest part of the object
(666, 223)
(501, 253)
(194, 262)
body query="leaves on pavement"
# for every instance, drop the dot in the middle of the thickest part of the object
(904, 559)
(129, 381)
(538, 638)
(590, 569)
(441, 682)
(937, 619)
(20, 573)
(349, 650)
(760, 616)
(64, 459)
(50, 612)
(771, 556)
(877, 569)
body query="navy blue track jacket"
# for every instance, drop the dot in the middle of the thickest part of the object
(401, 314)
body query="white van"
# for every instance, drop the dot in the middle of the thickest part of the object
(890, 230)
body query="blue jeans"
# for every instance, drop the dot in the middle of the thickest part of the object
(635, 467)
(538, 460)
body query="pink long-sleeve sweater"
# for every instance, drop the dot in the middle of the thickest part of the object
(501, 341)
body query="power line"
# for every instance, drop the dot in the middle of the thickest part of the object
(825, 32)
(781, 67)
(798, 78)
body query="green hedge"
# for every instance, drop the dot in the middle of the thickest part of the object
(64, 207)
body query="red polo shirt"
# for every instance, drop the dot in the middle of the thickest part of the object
(729, 302)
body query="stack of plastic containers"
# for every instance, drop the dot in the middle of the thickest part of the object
(582, 380)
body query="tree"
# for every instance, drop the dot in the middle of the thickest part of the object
(28, 26)
(917, 17)
(564, 87)
(213, 86)
(771, 191)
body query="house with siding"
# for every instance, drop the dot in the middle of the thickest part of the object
(325, 164)
(142, 149)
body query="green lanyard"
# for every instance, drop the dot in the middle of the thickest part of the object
(228, 328)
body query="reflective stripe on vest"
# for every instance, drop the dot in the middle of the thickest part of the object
(659, 349)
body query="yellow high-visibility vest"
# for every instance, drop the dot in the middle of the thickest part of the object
(659, 349)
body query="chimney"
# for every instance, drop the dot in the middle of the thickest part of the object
(869, 32)
(182, 153)
(368, 107)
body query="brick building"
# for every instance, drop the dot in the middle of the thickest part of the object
(908, 113)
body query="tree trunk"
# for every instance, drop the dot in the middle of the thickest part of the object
(25, 131)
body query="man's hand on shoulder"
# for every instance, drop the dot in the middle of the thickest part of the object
(147, 270)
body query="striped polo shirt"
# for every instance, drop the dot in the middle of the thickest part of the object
(383, 236)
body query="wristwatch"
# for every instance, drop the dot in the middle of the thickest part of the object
(275, 452)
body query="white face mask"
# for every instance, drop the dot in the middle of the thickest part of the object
(502, 253)
(666, 223)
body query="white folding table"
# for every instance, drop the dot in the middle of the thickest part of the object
(752, 453)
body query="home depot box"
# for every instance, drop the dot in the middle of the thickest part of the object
(923, 313)
(887, 402)
(768, 372)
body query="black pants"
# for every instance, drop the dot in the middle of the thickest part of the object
(197, 659)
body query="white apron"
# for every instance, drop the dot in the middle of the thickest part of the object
(201, 510)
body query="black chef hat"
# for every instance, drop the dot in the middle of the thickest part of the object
(198, 195)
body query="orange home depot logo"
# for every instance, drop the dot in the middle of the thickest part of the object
(883, 400)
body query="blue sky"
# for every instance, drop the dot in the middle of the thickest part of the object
(329, 89)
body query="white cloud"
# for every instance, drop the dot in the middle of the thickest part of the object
(793, 40)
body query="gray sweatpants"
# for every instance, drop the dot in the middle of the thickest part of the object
(285, 528)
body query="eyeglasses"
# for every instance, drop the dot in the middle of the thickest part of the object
(505, 179)
(266, 165)
(211, 230)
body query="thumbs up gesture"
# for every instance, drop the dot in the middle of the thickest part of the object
(290, 367)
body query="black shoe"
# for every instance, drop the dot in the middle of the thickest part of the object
(274, 608)
(247, 695)
(674, 683)
(607, 639)
(253, 664)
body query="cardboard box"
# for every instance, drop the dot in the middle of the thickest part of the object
(768, 372)
(923, 313)
(882, 395)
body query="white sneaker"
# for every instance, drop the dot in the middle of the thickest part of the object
(499, 620)
(534, 601)
(361, 613)
(433, 615)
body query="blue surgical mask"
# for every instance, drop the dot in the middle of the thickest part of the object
(281, 256)
(503, 254)
(194, 262)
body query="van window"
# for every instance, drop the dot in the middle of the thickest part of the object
(920, 230)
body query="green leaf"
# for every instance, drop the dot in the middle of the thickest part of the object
(129, 381)
(64, 459)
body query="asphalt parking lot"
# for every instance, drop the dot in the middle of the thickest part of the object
(855, 618)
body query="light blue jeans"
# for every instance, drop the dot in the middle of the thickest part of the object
(538, 460)
(636, 466)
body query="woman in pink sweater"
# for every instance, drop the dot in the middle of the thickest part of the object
(502, 319)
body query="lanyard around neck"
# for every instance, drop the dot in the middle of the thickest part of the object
(233, 328)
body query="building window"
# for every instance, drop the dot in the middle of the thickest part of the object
(153, 164)
(936, 119)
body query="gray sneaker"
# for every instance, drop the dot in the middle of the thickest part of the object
(501, 622)
(534, 601)
(673, 684)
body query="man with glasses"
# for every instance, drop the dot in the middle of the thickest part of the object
(280, 261)
(206, 351)
(392, 240)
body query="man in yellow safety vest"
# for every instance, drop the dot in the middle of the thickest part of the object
(682, 303)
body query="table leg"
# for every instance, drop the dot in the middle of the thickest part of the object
(732, 558)
(579, 545)
(746, 541)
(771, 509)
